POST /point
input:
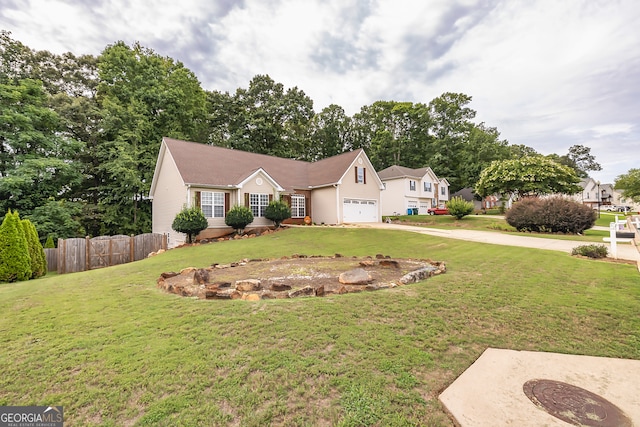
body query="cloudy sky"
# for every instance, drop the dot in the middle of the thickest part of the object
(548, 74)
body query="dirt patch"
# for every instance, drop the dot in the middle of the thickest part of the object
(298, 275)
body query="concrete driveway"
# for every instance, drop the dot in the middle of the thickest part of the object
(626, 251)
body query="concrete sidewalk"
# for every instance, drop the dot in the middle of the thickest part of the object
(625, 251)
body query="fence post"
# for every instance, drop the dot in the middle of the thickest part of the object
(62, 262)
(132, 247)
(87, 253)
(164, 241)
(613, 227)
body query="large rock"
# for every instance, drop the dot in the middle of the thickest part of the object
(356, 276)
(417, 275)
(306, 291)
(389, 263)
(248, 285)
(279, 287)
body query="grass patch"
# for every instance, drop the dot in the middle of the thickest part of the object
(490, 223)
(114, 350)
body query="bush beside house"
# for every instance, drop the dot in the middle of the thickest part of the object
(190, 221)
(238, 218)
(277, 211)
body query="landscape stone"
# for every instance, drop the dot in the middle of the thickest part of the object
(356, 276)
(389, 263)
(248, 285)
(279, 287)
(306, 291)
(194, 282)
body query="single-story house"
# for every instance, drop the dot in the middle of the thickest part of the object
(340, 189)
(469, 195)
(409, 189)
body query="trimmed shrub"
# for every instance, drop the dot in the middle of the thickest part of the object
(190, 221)
(15, 263)
(49, 243)
(459, 208)
(591, 251)
(238, 218)
(36, 253)
(551, 215)
(277, 211)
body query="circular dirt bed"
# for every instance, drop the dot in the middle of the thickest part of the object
(297, 276)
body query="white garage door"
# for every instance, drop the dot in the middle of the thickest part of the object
(358, 210)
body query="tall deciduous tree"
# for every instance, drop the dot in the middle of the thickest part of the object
(578, 158)
(142, 97)
(451, 124)
(392, 133)
(527, 176)
(34, 157)
(330, 132)
(270, 120)
(629, 183)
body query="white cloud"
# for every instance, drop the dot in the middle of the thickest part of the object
(547, 74)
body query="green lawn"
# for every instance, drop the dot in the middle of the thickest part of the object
(114, 350)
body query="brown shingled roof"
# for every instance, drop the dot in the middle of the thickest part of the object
(396, 171)
(208, 165)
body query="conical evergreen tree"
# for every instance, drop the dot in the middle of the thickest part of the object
(36, 252)
(49, 243)
(15, 263)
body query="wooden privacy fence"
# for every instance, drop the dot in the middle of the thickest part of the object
(73, 255)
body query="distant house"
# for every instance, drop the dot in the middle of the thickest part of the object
(596, 194)
(408, 189)
(488, 202)
(341, 189)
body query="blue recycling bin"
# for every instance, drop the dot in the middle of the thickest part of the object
(409, 211)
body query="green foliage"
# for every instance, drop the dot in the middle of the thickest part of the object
(49, 244)
(591, 251)
(277, 211)
(15, 262)
(579, 159)
(36, 252)
(629, 183)
(57, 220)
(142, 97)
(33, 157)
(459, 208)
(190, 221)
(551, 215)
(531, 175)
(267, 119)
(238, 218)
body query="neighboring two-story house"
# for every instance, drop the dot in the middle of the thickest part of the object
(409, 189)
(340, 189)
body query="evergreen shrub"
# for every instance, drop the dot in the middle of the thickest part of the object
(277, 211)
(15, 263)
(36, 252)
(238, 218)
(190, 221)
